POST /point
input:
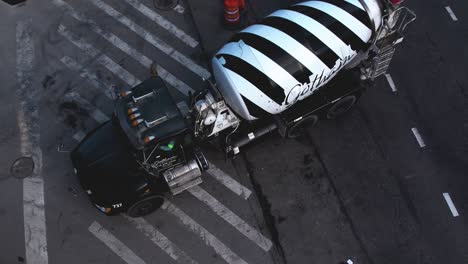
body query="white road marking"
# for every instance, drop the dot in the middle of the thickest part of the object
(450, 204)
(95, 113)
(123, 46)
(114, 244)
(101, 58)
(451, 13)
(228, 181)
(164, 23)
(152, 39)
(418, 137)
(349, 261)
(179, 9)
(231, 218)
(28, 122)
(390, 82)
(78, 136)
(84, 73)
(221, 249)
(160, 240)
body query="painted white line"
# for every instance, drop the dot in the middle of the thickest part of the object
(221, 249)
(179, 9)
(418, 137)
(101, 58)
(114, 244)
(152, 39)
(450, 204)
(78, 136)
(161, 21)
(349, 261)
(123, 46)
(28, 122)
(451, 13)
(390, 82)
(86, 74)
(229, 182)
(95, 113)
(160, 240)
(231, 218)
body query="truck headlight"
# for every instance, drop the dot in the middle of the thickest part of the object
(103, 209)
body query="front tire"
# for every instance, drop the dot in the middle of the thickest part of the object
(341, 107)
(145, 206)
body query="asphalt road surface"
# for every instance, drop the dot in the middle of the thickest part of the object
(384, 184)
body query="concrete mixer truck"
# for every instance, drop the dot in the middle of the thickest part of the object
(300, 64)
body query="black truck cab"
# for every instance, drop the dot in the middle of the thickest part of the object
(130, 162)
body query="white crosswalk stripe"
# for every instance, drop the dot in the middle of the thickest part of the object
(228, 181)
(123, 46)
(95, 113)
(86, 74)
(114, 244)
(231, 217)
(220, 248)
(152, 39)
(101, 58)
(160, 240)
(164, 23)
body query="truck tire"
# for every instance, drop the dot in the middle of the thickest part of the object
(145, 206)
(298, 128)
(341, 107)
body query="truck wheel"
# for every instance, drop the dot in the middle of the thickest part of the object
(341, 107)
(298, 128)
(145, 206)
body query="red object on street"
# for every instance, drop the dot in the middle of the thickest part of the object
(231, 12)
(242, 4)
(396, 2)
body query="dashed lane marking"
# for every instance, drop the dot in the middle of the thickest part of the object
(84, 73)
(161, 21)
(390, 82)
(450, 204)
(179, 9)
(418, 137)
(231, 218)
(28, 122)
(229, 182)
(114, 244)
(451, 13)
(107, 62)
(123, 46)
(219, 247)
(152, 39)
(161, 240)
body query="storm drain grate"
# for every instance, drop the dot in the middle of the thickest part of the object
(165, 4)
(22, 167)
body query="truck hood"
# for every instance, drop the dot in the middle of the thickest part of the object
(105, 165)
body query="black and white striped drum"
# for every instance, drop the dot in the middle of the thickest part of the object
(269, 66)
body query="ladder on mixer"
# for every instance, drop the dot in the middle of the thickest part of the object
(389, 35)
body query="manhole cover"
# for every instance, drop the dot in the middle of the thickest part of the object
(165, 4)
(22, 167)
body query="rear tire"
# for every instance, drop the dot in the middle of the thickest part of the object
(145, 206)
(298, 128)
(341, 107)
